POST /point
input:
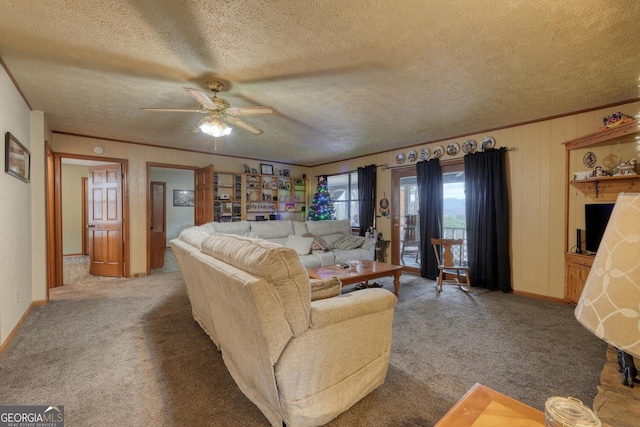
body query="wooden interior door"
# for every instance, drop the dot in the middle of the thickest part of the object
(158, 224)
(203, 197)
(85, 215)
(105, 221)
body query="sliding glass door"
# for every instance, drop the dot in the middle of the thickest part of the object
(454, 221)
(405, 239)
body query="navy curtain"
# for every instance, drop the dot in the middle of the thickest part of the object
(366, 197)
(487, 205)
(430, 211)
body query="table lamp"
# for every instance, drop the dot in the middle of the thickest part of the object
(610, 302)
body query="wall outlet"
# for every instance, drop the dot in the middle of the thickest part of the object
(16, 297)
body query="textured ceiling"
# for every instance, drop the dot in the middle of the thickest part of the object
(347, 78)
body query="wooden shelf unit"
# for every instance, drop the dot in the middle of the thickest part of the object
(275, 195)
(229, 196)
(608, 187)
(608, 144)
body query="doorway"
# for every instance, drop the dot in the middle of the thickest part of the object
(62, 206)
(405, 241)
(165, 220)
(158, 224)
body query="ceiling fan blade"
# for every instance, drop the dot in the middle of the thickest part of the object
(244, 125)
(174, 110)
(248, 111)
(201, 97)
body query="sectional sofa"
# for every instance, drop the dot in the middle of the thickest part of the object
(317, 243)
(298, 349)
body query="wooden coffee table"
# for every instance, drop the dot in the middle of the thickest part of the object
(366, 270)
(485, 407)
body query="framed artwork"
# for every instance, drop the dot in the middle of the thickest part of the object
(266, 169)
(183, 198)
(17, 159)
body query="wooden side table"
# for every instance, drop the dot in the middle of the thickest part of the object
(381, 248)
(485, 407)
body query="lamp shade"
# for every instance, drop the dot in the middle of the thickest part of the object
(610, 302)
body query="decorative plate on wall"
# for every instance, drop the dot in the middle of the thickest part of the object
(412, 156)
(488, 142)
(589, 159)
(438, 151)
(400, 158)
(453, 149)
(469, 146)
(424, 154)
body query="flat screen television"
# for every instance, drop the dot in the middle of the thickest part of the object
(596, 217)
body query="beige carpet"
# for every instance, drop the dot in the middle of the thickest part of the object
(75, 269)
(128, 352)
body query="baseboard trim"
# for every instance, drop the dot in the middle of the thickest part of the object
(538, 296)
(15, 330)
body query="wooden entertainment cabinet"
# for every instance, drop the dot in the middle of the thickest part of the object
(608, 145)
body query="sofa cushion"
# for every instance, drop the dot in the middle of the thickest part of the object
(209, 227)
(277, 264)
(302, 245)
(323, 228)
(238, 227)
(193, 236)
(319, 244)
(330, 238)
(321, 289)
(299, 228)
(348, 242)
(272, 229)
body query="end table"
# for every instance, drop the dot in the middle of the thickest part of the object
(381, 248)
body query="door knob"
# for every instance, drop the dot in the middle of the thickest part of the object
(395, 225)
(90, 225)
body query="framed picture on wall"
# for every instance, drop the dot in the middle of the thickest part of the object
(266, 169)
(183, 198)
(17, 159)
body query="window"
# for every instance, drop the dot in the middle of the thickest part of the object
(344, 194)
(454, 218)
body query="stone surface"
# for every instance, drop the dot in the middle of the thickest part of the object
(617, 405)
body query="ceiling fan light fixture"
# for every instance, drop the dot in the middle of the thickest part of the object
(215, 128)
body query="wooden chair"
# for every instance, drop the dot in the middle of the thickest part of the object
(450, 263)
(410, 243)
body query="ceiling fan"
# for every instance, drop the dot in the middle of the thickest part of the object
(218, 112)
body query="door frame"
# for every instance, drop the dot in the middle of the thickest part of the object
(54, 249)
(163, 184)
(396, 174)
(85, 215)
(50, 217)
(148, 227)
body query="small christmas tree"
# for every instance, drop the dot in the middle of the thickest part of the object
(322, 205)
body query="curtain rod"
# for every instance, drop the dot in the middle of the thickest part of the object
(387, 167)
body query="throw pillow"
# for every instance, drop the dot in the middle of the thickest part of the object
(348, 242)
(319, 243)
(302, 245)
